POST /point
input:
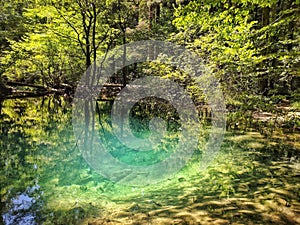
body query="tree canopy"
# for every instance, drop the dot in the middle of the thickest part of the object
(251, 46)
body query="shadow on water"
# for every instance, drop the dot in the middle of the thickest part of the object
(45, 180)
(243, 186)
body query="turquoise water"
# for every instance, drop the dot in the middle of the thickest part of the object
(45, 179)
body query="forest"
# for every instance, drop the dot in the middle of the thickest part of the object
(250, 47)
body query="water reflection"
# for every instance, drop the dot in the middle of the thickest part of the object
(24, 208)
(29, 139)
(45, 180)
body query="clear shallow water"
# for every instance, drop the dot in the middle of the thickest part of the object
(45, 180)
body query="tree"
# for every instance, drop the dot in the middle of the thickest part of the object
(251, 45)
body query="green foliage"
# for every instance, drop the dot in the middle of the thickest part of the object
(46, 54)
(252, 47)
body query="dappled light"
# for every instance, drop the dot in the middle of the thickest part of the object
(253, 180)
(149, 112)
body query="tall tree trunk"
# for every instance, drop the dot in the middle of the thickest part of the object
(265, 16)
(124, 69)
(4, 91)
(151, 15)
(264, 81)
(157, 12)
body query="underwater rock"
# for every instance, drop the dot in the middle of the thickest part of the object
(23, 209)
(181, 179)
(134, 207)
(104, 221)
(78, 213)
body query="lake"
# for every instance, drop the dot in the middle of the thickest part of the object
(46, 180)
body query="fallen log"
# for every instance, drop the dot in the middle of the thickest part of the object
(15, 83)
